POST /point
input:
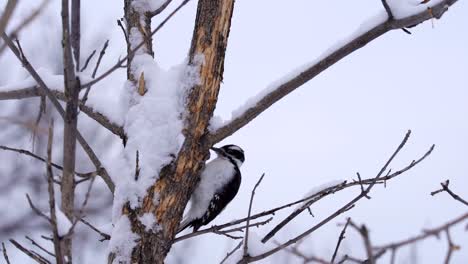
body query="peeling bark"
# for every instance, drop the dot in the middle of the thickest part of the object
(177, 180)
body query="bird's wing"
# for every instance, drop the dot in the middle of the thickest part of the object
(219, 201)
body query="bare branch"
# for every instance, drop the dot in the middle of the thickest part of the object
(36, 210)
(76, 31)
(308, 74)
(425, 234)
(30, 154)
(25, 22)
(87, 61)
(121, 61)
(231, 252)
(39, 246)
(339, 240)
(104, 235)
(364, 192)
(119, 23)
(35, 256)
(387, 9)
(219, 230)
(6, 15)
(332, 216)
(92, 156)
(50, 188)
(445, 188)
(451, 247)
(101, 54)
(246, 238)
(160, 9)
(364, 232)
(5, 254)
(89, 111)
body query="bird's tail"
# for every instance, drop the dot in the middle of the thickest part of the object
(183, 225)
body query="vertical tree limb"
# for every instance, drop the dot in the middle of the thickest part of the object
(72, 89)
(76, 31)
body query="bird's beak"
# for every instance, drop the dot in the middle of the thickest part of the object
(217, 150)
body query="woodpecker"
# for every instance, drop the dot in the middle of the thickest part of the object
(219, 183)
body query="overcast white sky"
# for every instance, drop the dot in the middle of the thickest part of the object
(348, 119)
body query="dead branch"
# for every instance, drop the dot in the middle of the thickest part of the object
(93, 114)
(335, 214)
(30, 154)
(25, 22)
(311, 72)
(101, 54)
(88, 60)
(34, 255)
(50, 188)
(445, 188)
(92, 156)
(246, 238)
(219, 230)
(364, 192)
(5, 254)
(6, 15)
(102, 234)
(160, 9)
(340, 238)
(387, 9)
(121, 61)
(434, 232)
(231, 252)
(34, 243)
(364, 232)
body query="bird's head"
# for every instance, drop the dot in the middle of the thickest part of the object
(232, 152)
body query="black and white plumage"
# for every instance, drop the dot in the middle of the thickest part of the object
(219, 184)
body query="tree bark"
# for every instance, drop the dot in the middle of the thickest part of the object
(134, 20)
(72, 89)
(177, 180)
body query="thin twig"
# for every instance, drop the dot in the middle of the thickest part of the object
(25, 22)
(50, 188)
(36, 210)
(119, 23)
(160, 9)
(87, 61)
(98, 117)
(364, 232)
(339, 240)
(5, 254)
(445, 188)
(92, 156)
(231, 252)
(425, 234)
(104, 235)
(246, 238)
(387, 9)
(220, 229)
(35, 256)
(7, 13)
(335, 214)
(30, 154)
(39, 246)
(364, 192)
(121, 61)
(101, 55)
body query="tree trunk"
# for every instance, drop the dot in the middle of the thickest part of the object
(177, 180)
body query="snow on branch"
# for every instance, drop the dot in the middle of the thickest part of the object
(369, 31)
